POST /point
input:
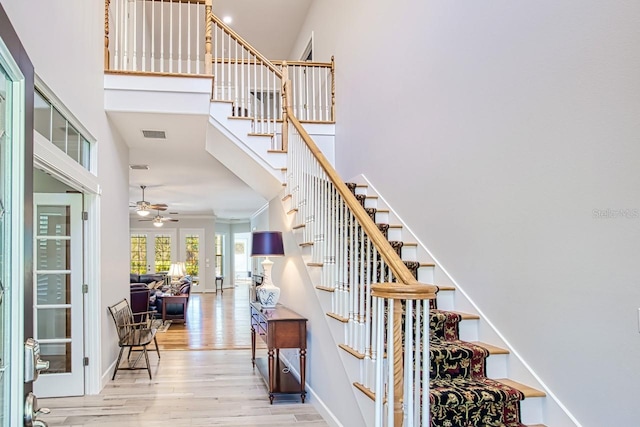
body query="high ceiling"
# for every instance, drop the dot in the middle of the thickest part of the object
(181, 173)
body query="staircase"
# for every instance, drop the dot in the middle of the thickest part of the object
(468, 378)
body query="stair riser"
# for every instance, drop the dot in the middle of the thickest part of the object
(395, 233)
(409, 253)
(469, 330)
(446, 300)
(531, 410)
(382, 217)
(425, 274)
(496, 365)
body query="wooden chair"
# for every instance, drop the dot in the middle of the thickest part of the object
(134, 336)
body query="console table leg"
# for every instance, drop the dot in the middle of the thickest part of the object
(272, 373)
(303, 364)
(253, 347)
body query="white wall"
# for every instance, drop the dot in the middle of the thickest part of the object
(496, 129)
(65, 43)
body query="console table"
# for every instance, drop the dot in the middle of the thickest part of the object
(279, 328)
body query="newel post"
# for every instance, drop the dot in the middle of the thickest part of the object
(208, 57)
(106, 34)
(285, 105)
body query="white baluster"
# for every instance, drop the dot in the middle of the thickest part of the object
(144, 35)
(408, 363)
(424, 384)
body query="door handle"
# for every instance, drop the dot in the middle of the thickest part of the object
(31, 412)
(32, 362)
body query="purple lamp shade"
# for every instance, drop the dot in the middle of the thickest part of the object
(267, 243)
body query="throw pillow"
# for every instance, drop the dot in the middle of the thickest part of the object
(151, 285)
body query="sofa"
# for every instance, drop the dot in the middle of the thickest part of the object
(146, 278)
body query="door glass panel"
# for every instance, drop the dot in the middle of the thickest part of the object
(53, 288)
(58, 355)
(53, 220)
(54, 323)
(53, 254)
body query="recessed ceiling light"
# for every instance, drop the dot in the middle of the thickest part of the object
(227, 19)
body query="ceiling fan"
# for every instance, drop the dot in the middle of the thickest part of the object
(159, 220)
(144, 208)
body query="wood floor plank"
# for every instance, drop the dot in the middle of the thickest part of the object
(204, 378)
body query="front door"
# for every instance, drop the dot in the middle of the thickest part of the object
(57, 293)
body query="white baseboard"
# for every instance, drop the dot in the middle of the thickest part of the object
(315, 400)
(106, 376)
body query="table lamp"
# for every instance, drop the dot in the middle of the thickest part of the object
(266, 244)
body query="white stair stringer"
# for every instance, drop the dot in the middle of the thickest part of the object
(245, 155)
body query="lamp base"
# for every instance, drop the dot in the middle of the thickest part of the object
(268, 293)
(268, 296)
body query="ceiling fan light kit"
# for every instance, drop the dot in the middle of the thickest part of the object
(142, 211)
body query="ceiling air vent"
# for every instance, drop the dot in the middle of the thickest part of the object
(139, 167)
(154, 134)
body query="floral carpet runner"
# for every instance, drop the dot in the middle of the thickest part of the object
(460, 394)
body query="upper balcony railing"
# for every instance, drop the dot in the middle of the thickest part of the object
(178, 37)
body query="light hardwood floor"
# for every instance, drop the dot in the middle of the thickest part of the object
(204, 378)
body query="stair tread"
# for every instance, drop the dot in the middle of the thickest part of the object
(315, 264)
(226, 101)
(240, 118)
(277, 151)
(260, 134)
(465, 316)
(446, 287)
(305, 244)
(525, 389)
(325, 288)
(287, 197)
(338, 317)
(492, 348)
(427, 264)
(294, 210)
(295, 227)
(351, 351)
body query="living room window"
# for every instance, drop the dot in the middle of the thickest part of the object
(192, 243)
(138, 254)
(163, 253)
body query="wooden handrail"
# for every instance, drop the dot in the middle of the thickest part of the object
(390, 256)
(246, 45)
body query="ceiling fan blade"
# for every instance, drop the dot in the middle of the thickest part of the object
(159, 207)
(145, 219)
